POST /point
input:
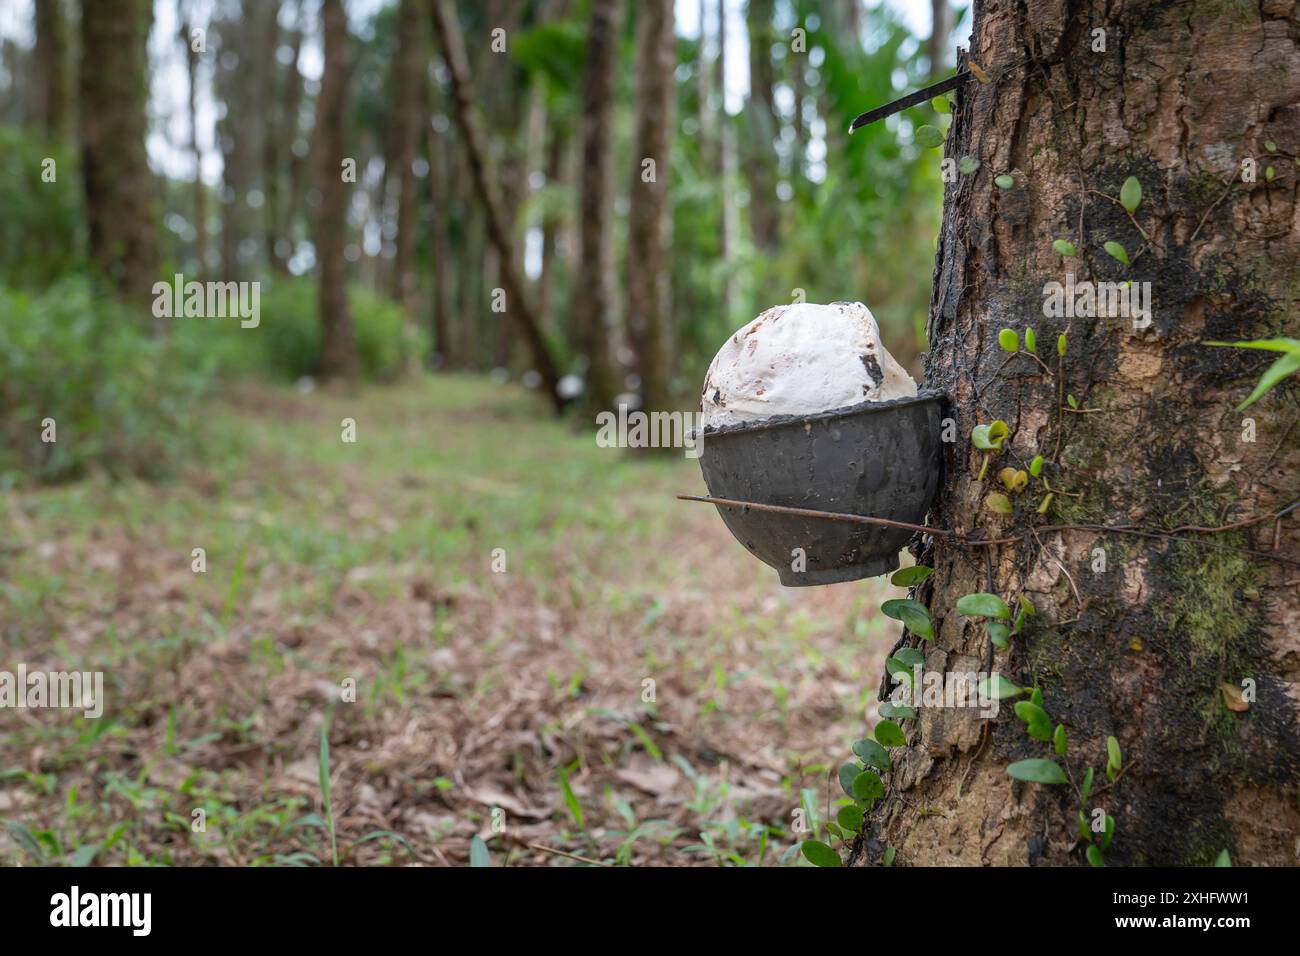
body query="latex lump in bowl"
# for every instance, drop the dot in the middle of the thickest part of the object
(779, 431)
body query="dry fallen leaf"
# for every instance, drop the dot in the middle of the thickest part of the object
(1232, 697)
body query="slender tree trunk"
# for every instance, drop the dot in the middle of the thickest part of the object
(593, 296)
(200, 191)
(52, 67)
(411, 113)
(726, 172)
(649, 273)
(764, 213)
(556, 151)
(292, 133)
(705, 110)
(936, 48)
(485, 184)
(556, 134)
(1148, 639)
(118, 182)
(440, 192)
(245, 57)
(281, 127)
(338, 351)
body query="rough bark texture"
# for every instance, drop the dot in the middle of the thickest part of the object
(447, 28)
(1182, 94)
(649, 308)
(118, 183)
(338, 351)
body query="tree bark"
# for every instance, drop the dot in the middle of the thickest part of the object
(649, 273)
(292, 107)
(52, 67)
(556, 150)
(936, 47)
(118, 182)
(443, 354)
(411, 114)
(200, 191)
(726, 170)
(593, 298)
(243, 62)
(485, 184)
(1133, 637)
(283, 107)
(338, 351)
(764, 213)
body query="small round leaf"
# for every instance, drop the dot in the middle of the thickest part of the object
(819, 854)
(906, 577)
(889, 734)
(867, 786)
(929, 137)
(983, 605)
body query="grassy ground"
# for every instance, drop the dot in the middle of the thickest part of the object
(522, 694)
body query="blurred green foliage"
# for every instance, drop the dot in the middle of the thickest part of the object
(285, 345)
(40, 221)
(122, 400)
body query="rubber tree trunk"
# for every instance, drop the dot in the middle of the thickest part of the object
(1146, 639)
(338, 350)
(409, 81)
(119, 185)
(52, 68)
(593, 297)
(760, 112)
(936, 46)
(200, 192)
(649, 273)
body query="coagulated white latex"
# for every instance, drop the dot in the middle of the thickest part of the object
(799, 360)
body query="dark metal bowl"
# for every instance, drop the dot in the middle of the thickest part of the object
(877, 458)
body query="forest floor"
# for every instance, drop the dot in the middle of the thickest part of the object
(525, 691)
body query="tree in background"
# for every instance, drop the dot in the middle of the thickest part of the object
(649, 290)
(290, 131)
(338, 351)
(725, 171)
(245, 33)
(52, 67)
(408, 76)
(761, 119)
(936, 47)
(189, 44)
(119, 186)
(592, 299)
(282, 95)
